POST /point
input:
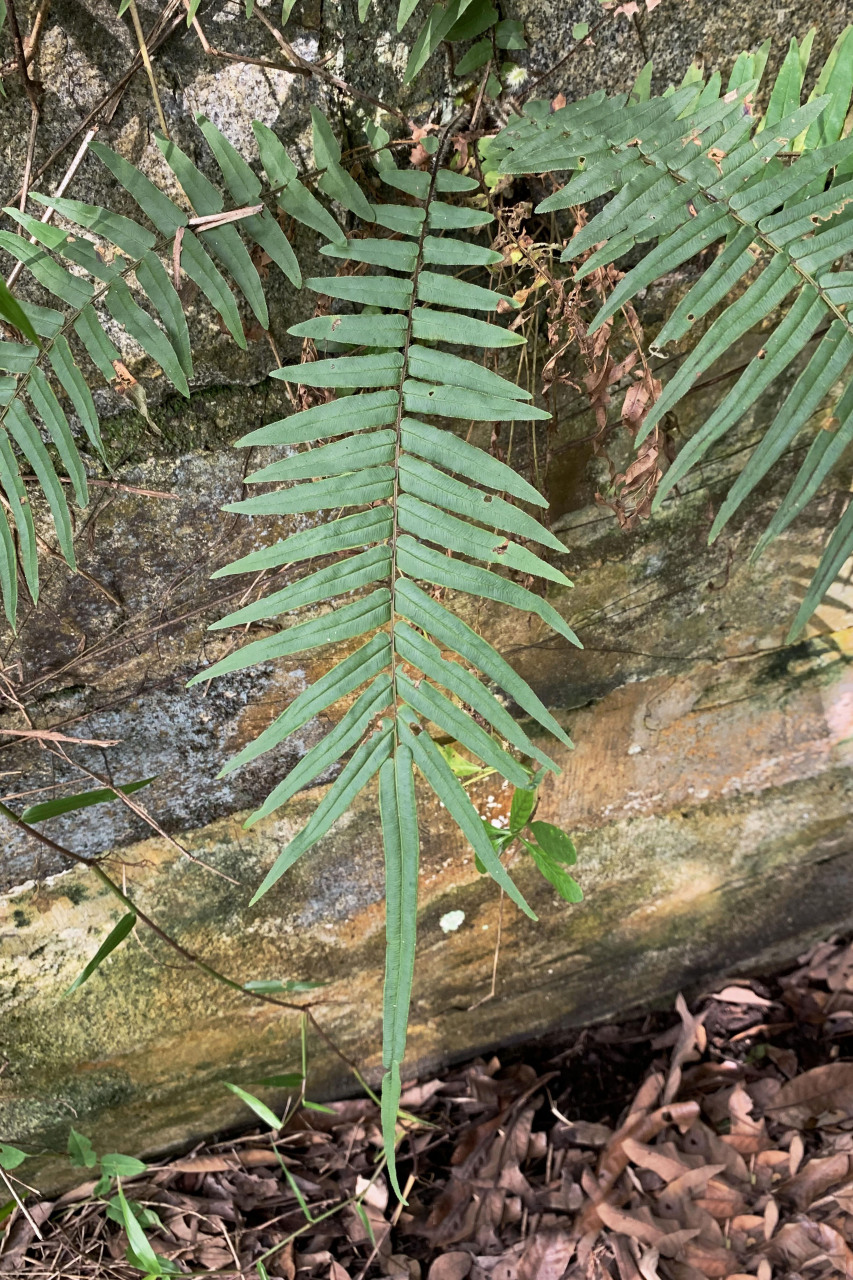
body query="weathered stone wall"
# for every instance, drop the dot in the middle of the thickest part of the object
(709, 791)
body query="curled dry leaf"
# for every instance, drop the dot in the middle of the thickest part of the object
(800, 1243)
(665, 1166)
(823, 1092)
(816, 1178)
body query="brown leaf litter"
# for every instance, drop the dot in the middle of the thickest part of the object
(719, 1145)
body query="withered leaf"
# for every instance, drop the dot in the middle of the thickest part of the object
(546, 1256)
(816, 1178)
(451, 1266)
(823, 1091)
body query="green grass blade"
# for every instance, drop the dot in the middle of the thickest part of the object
(457, 402)
(447, 291)
(54, 419)
(371, 291)
(399, 815)
(139, 324)
(426, 657)
(458, 725)
(437, 772)
(334, 181)
(419, 561)
(83, 800)
(345, 735)
(833, 353)
(428, 523)
(201, 270)
(455, 454)
(114, 938)
(786, 342)
(350, 413)
(358, 330)
(129, 236)
(325, 584)
(441, 367)
(360, 488)
(352, 453)
(345, 371)
(447, 326)
(431, 485)
(101, 351)
(23, 431)
(74, 385)
(160, 292)
(164, 215)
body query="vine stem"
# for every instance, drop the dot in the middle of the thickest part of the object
(94, 865)
(31, 88)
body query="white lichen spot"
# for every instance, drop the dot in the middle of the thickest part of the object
(634, 749)
(450, 922)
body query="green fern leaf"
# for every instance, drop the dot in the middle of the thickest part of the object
(692, 177)
(126, 277)
(424, 492)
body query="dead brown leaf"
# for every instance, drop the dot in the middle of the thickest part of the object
(741, 995)
(546, 1256)
(816, 1178)
(823, 1093)
(455, 1265)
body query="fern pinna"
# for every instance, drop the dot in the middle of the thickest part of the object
(697, 167)
(419, 492)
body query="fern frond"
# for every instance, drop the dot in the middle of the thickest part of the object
(111, 265)
(691, 170)
(431, 510)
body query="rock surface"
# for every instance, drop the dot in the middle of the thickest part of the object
(709, 791)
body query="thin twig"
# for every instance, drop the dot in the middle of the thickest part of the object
(32, 41)
(493, 988)
(146, 60)
(19, 1202)
(31, 150)
(314, 69)
(94, 865)
(50, 735)
(50, 210)
(114, 484)
(141, 812)
(168, 21)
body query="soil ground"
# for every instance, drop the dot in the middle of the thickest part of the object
(716, 1140)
